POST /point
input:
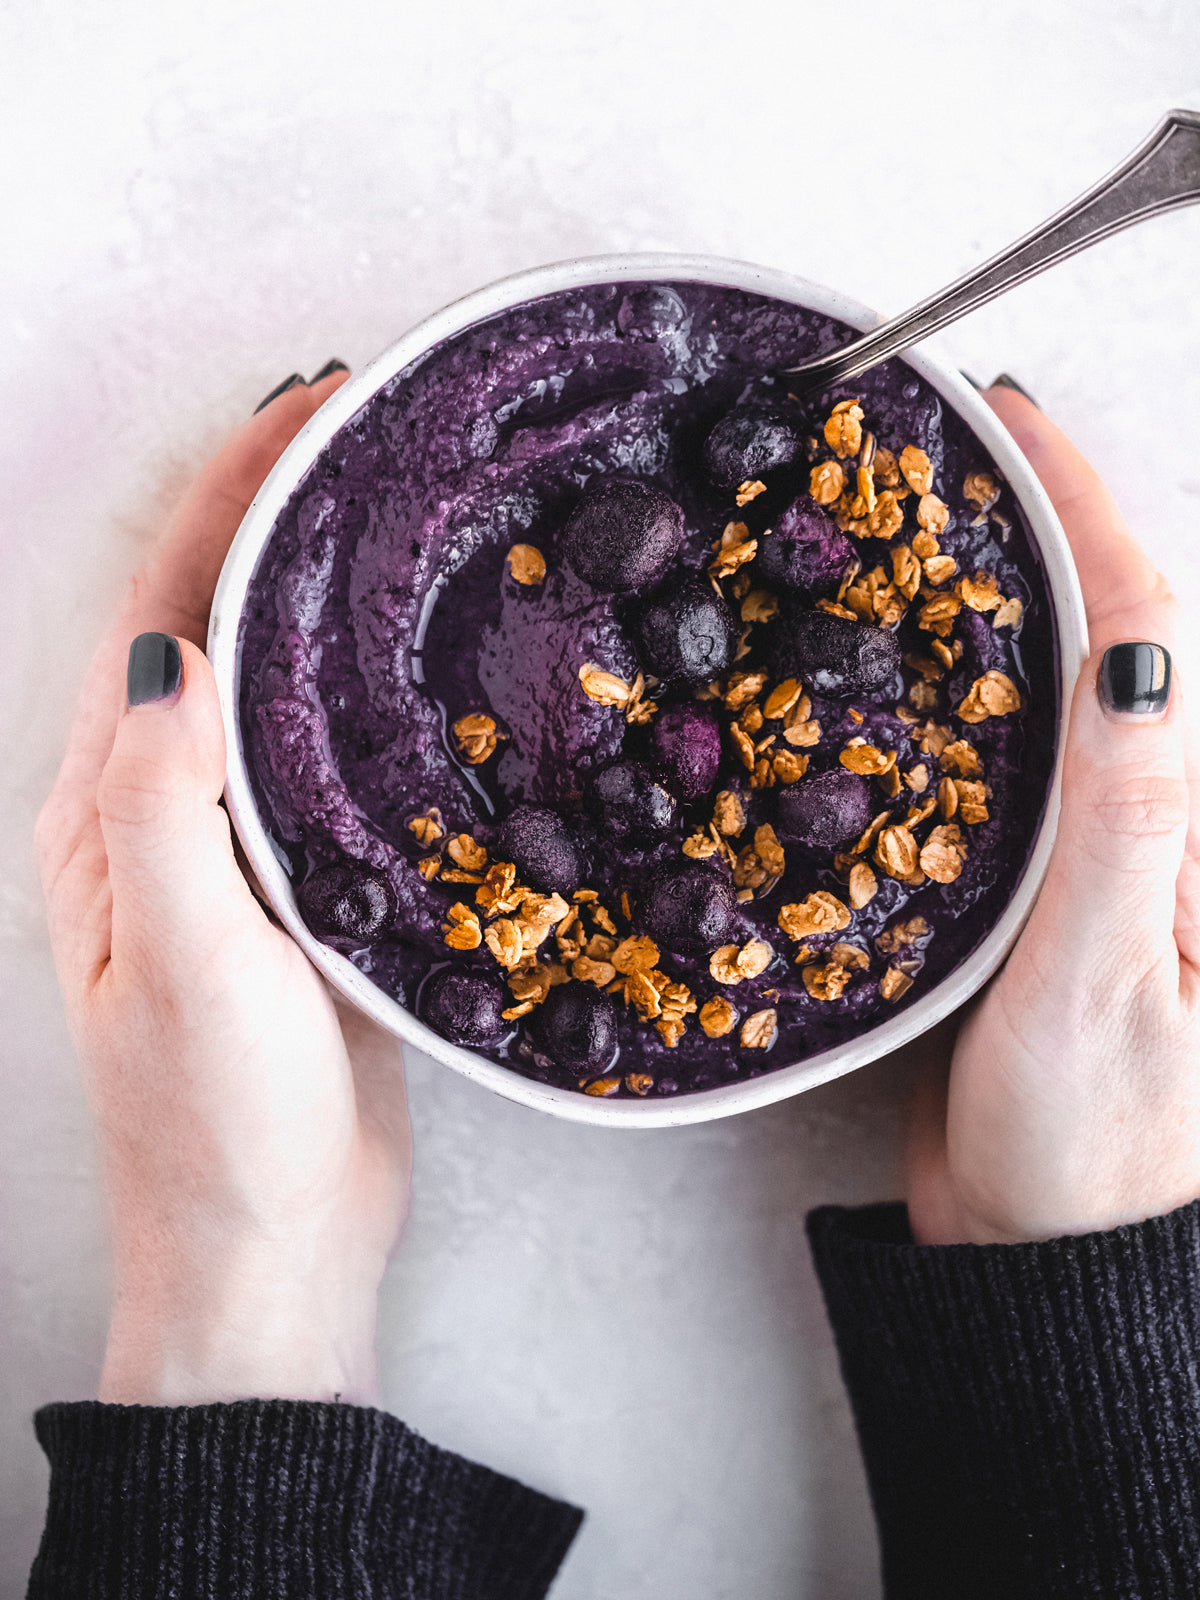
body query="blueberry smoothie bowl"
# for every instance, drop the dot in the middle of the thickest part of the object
(633, 735)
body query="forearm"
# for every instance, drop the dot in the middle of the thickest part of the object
(238, 1327)
(1029, 1414)
(211, 1305)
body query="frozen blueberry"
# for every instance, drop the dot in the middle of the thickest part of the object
(749, 442)
(347, 902)
(689, 907)
(806, 551)
(825, 812)
(649, 313)
(482, 437)
(833, 655)
(463, 1007)
(623, 536)
(542, 848)
(684, 633)
(686, 740)
(628, 802)
(576, 1025)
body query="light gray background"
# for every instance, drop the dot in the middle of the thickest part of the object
(198, 200)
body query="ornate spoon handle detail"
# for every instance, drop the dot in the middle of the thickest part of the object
(1162, 174)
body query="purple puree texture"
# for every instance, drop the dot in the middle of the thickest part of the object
(382, 611)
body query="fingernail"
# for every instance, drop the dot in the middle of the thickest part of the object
(1135, 680)
(974, 382)
(155, 669)
(1005, 381)
(288, 383)
(328, 370)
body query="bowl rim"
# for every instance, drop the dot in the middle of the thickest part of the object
(580, 272)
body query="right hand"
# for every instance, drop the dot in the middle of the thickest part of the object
(1072, 1102)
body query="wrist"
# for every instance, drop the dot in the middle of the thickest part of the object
(249, 1321)
(1033, 1217)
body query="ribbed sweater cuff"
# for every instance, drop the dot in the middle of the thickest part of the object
(270, 1498)
(1029, 1414)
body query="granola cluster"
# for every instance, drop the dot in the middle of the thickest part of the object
(515, 925)
(770, 730)
(871, 501)
(606, 689)
(477, 737)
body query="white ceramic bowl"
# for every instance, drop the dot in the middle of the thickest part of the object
(346, 979)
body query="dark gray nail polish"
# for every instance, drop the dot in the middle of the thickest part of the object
(1005, 380)
(155, 669)
(974, 382)
(328, 370)
(1135, 679)
(282, 388)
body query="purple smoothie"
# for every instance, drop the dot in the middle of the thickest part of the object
(385, 610)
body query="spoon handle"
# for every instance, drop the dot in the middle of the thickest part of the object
(1161, 174)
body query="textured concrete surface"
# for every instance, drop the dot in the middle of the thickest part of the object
(199, 200)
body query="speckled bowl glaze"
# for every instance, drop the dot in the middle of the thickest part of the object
(779, 1082)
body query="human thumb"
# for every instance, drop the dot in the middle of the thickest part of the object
(1123, 827)
(171, 865)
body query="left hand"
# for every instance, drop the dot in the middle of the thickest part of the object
(258, 1175)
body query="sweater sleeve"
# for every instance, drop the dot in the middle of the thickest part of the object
(1029, 1414)
(275, 1498)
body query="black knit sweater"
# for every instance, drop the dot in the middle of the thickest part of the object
(1029, 1416)
(273, 1498)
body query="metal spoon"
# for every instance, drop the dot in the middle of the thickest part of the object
(1161, 174)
